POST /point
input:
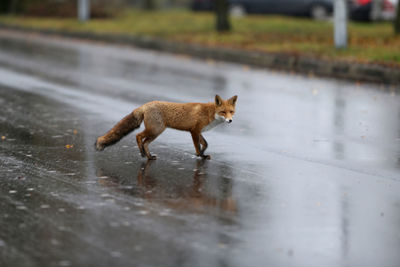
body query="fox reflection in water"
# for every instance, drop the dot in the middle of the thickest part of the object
(175, 191)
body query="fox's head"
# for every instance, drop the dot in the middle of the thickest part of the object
(225, 109)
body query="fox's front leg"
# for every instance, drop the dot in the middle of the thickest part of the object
(204, 144)
(196, 136)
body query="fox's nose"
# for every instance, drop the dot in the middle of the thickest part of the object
(229, 121)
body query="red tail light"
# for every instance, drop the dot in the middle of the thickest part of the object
(363, 2)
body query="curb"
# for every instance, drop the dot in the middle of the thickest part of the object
(277, 61)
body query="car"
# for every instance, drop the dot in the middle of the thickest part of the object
(317, 9)
(368, 10)
(202, 5)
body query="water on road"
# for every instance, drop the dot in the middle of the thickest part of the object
(308, 173)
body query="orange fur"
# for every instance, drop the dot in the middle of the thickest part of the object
(158, 115)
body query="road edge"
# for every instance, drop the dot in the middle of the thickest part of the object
(277, 61)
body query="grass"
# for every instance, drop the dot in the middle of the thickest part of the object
(372, 43)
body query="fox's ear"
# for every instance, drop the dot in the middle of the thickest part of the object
(218, 100)
(232, 100)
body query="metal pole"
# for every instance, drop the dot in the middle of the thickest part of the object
(376, 10)
(83, 10)
(340, 23)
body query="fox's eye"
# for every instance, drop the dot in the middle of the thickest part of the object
(232, 111)
(223, 112)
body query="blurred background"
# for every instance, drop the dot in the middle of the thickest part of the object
(360, 10)
(306, 175)
(304, 27)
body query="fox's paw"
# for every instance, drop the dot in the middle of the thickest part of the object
(142, 152)
(152, 158)
(98, 146)
(208, 157)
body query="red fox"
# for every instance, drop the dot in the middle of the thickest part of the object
(192, 117)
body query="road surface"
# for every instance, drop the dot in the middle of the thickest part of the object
(308, 173)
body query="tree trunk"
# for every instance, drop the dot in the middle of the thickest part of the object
(222, 16)
(13, 6)
(149, 5)
(397, 20)
(4, 6)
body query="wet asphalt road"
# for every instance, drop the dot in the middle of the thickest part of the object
(308, 174)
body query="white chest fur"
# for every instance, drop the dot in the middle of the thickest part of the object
(218, 120)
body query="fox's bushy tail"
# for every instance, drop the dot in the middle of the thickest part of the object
(128, 124)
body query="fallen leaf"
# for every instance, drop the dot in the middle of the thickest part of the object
(210, 62)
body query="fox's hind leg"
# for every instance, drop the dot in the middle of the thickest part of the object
(144, 139)
(147, 141)
(153, 128)
(139, 140)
